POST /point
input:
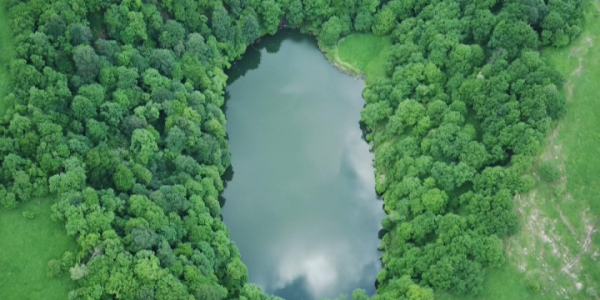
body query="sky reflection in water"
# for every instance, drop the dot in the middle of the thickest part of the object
(301, 206)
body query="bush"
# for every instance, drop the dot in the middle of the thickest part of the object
(549, 172)
(54, 268)
(29, 214)
(533, 281)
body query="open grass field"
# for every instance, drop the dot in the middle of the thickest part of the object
(361, 55)
(558, 247)
(5, 55)
(26, 247)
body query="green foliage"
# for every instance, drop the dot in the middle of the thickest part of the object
(270, 12)
(249, 28)
(27, 214)
(54, 268)
(172, 34)
(78, 272)
(331, 31)
(128, 131)
(6, 48)
(86, 62)
(447, 165)
(384, 22)
(123, 178)
(533, 282)
(549, 172)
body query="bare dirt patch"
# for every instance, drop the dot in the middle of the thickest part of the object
(586, 247)
(579, 52)
(541, 246)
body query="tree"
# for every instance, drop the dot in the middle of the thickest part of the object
(416, 292)
(143, 238)
(271, 15)
(80, 34)
(131, 123)
(512, 37)
(83, 108)
(172, 34)
(78, 271)
(434, 201)
(112, 113)
(359, 294)
(236, 273)
(331, 31)
(123, 178)
(96, 131)
(375, 113)
(8, 199)
(29, 143)
(249, 28)
(94, 93)
(142, 174)
(317, 11)
(87, 62)
(549, 172)
(294, 12)
(71, 180)
(221, 24)
(143, 145)
(363, 21)
(384, 22)
(54, 268)
(196, 45)
(163, 60)
(135, 31)
(55, 26)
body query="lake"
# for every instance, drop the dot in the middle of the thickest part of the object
(301, 203)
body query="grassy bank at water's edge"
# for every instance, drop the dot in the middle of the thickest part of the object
(367, 52)
(361, 55)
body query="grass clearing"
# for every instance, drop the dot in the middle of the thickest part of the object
(558, 244)
(367, 52)
(27, 246)
(361, 55)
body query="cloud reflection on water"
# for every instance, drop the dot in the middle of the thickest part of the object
(301, 206)
(328, 267)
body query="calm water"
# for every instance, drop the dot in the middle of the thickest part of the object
(301, 205)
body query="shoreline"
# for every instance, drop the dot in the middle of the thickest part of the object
(331, 54)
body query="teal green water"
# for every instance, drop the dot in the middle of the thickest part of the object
(301, 205)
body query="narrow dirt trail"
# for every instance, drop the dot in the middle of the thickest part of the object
(585, 248)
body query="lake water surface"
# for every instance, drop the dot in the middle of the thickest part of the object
(301, 205)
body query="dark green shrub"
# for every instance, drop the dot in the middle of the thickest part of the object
(549, 172)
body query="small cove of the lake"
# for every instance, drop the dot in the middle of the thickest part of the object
(301, 205)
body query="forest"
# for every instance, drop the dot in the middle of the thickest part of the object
(115, 109)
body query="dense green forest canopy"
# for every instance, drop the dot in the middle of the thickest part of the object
(115, 107)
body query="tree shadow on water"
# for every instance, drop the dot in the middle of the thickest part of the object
(297, 289)
(250, 61)
(226, 177)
